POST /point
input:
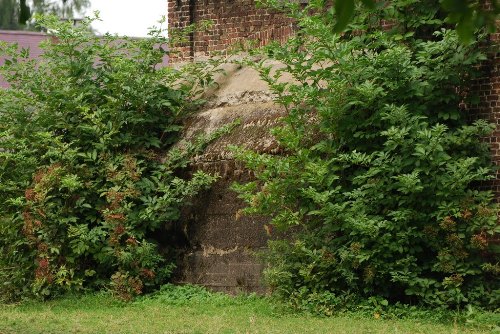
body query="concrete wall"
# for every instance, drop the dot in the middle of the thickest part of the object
(222, 246)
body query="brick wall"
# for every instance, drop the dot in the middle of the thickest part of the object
(234, 21)
(487, 87)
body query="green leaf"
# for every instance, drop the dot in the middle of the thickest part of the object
(344, 9)
(370, 4)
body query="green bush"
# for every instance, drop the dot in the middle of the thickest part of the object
(380, 167)
(84, 179)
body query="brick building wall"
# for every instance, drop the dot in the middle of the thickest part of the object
(234, 22)
(487, 87)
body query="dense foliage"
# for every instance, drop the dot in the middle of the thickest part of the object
(380, 167)
(466, 15)
(84, 179)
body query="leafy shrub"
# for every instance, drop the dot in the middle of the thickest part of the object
(380, 165)
(84, 181)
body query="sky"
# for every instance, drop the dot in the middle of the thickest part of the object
(127, 17)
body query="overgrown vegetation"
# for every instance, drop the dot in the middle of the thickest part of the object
(84, 179)
(380, 167)
(467, 15)
(378, 178)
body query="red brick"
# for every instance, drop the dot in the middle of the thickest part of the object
(238, 21)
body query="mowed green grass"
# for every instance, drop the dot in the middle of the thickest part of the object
(100, 313)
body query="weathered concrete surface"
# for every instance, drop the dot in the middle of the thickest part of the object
(222, 247)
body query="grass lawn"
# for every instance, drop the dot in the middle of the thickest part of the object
(175, 312)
